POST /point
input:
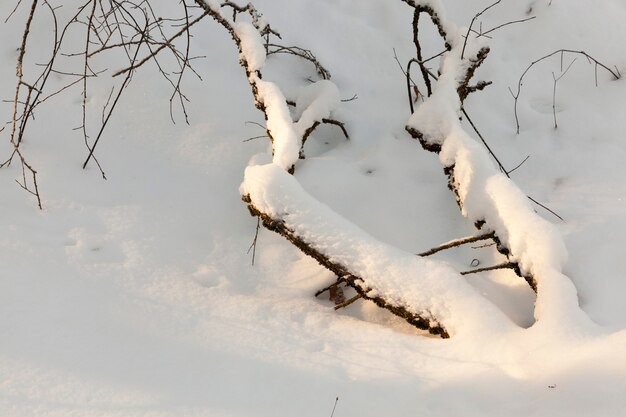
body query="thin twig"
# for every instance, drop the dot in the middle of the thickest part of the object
(472, 23)
(506, 265)
(334, 284)
(13, 11)
(519, 165)
(556, 80)
(348, 302)
(504, 170)
(616, 75)
(302, 53)
(545, 208)
(119, 94)
(159, 49)
(505, 24)
(484, 141)
(457, 242)
(255, 240)
(335, 406)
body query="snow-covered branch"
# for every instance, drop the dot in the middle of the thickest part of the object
(485, 195)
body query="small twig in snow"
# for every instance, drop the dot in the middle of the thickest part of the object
(545, 208)
(457, 242)
(348, 302)
(506, 265)
(556, 80)
(302, 53)
(354, 97)
(519, 165)
(255, 240)
(254, 137)
(616, 75)
(484, 142)
(335, 406)
(334, 284)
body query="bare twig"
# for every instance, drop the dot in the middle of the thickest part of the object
(418, 50)
(348, 302)
(334, 406)
(17, 5)
(314, 126)
(502, 169)
(457, 242)
(506, 265)
(505, 24)
(301, 53)
(334, 284)
(556, 80)
(476, 16)
(482, 139)
(518, 165)
(110, 112)
(160, 48)
(255, 240)
(616, 75)
(19, 71)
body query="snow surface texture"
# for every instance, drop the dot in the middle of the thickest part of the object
(135, 296)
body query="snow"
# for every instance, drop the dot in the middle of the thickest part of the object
(316, 102)
(286, 142)
(135, 296)
(252, 48)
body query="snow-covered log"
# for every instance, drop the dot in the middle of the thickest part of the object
(485, 195)
(430, 295)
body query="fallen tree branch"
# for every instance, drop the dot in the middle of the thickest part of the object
(433, 144)
(276, 224)
(354, 281)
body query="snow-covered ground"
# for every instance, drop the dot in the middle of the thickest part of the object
(136, 296)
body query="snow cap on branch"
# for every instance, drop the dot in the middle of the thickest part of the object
(252, 49)
(286, 142)
(314, 103)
